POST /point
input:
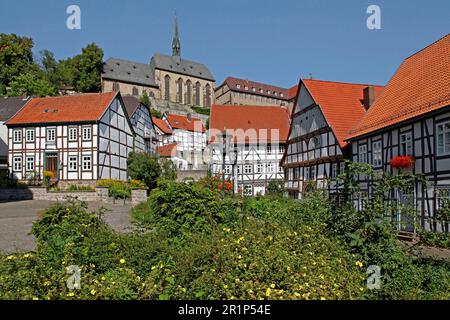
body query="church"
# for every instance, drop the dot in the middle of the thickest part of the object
(166, 77)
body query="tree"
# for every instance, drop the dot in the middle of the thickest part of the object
(145, 100)
(29, 84)
(16, 58)
(275, 188)
(144, 167)
(155, 113)
(88, 66)
(168, 170)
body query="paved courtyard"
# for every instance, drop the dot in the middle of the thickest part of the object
(17, 218)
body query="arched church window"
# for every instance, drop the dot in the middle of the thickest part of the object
(135, 91)
(180, 91)
(167, 87)
(188, 92)
(197, 93)
(208, 96)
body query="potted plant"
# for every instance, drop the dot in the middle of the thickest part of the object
(402, 163)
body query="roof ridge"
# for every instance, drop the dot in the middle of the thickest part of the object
(343, 82)
(428, 46)
(126, 60)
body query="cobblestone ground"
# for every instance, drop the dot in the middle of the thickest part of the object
(17, 218)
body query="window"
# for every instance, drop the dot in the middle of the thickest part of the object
(87, 133)
(87, 163)
(334, 168)
(313, 173)
(30, 163)
(443, 138)
(51, 135)
(281, 149)
(442, 197)
(29, 133)
(73, 163)
(17, 136)
(167, 87)
(17, 164)
(248, 169)
(307, 173)
(248, 190)
(317, 142)
(135, 91)
(376, 154)
(238, 86)
(342, 167)
(188, 91)
(116, 86)
(208, 96)
(197, 93)
(280, 169)
(227, 169)
(362, 152)
(269, 168)
(239, 169)
(73, 134)
(269, 149)
(259, 168)
(406, 144)
(180, 91)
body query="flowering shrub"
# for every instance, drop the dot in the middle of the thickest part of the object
(402, 162)
(215, 183)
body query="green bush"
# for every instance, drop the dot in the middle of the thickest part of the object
(144, 167)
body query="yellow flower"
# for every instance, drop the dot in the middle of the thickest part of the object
(225, 286)
(27, 255)
(47, 283)
(93, 291)
(10, 257)
(270, 238)
(268, 291)
(359, 264)
(35, 298)
(70, 294)
(323, 298)
(122, 261)
(103, 278)
(272, 285)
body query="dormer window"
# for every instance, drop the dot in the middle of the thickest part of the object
(238, 86)
(281, 95)
(246, 88)
(254, 89)
(268, 91)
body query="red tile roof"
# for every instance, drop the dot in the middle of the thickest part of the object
(420, 85)
(341, 104)
(167, 151)
(245, 123)
(292, 92)
(181, 122)
(162, 125)
(76, 108)
(234, 82)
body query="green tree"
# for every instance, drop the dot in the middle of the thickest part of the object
(275, 188)
(144, 167)
(155, 113)
(29, 84)
(168, 169)
(145, 100)
(16, 58)
(88, 66)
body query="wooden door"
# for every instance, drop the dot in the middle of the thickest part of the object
(51, 163)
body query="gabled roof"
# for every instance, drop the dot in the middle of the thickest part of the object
(245, 123)
(162, 125)
(292, 92)
(131, 103)
(420, 85)
(181, 66)
(167, 151)
(181, 122)
(77, 108)
(10, 106)
(129, 71)
(236, 84)
(341, 104)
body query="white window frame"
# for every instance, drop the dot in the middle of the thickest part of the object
(48, 135)
(377, 154)
(17, 163)
(269, 149)
(307, 174)
(86, 163)
(334, 169)
(72, 164)
(445, 128)
(29, 163)
(259, 168)
(281, 148)
(30, 135)
(71, 130)
(84, 130)
(406, 146)
(17, 135)
(312, 173)
(362, 153)
(269, 168)
(248, 169)
(248, 190)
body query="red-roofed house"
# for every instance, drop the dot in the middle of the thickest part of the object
(77, 138)
(323, 116)
(412, 117)
(189, 134)
(258, 134)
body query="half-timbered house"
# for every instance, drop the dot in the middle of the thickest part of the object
(141, 120)
(412, 117)
(258, 135)
(76, 138)
(323, 115)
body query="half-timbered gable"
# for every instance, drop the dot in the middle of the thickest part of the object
(258, 134)
(163, 132)
(141, 120)
(83, 137)
(324, 113)
(412, 117)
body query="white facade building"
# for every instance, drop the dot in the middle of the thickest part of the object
(79, 138)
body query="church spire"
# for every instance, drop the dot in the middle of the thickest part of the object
(176, 44)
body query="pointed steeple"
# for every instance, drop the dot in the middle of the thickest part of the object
(176, 44)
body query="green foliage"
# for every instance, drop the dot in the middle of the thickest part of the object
(145, 100)
(275, 188)
(77, 187)
(144, 167)
(155, 113)
(88, 66)
(201, 110)
(29, 84)
(168, 169)
(435, 239)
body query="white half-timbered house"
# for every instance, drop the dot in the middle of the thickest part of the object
(323, 115)
(77, 138)
(258, 134)
(141, 120)
(163, 132)
(412, 117)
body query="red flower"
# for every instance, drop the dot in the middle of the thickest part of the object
(402, 162)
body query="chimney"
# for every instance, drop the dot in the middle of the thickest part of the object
(369, 96)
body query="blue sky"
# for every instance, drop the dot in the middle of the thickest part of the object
(269, 41)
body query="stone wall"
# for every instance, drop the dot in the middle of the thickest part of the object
(138, 196)
(194, 174)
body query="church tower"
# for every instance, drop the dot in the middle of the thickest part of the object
(176, 44)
